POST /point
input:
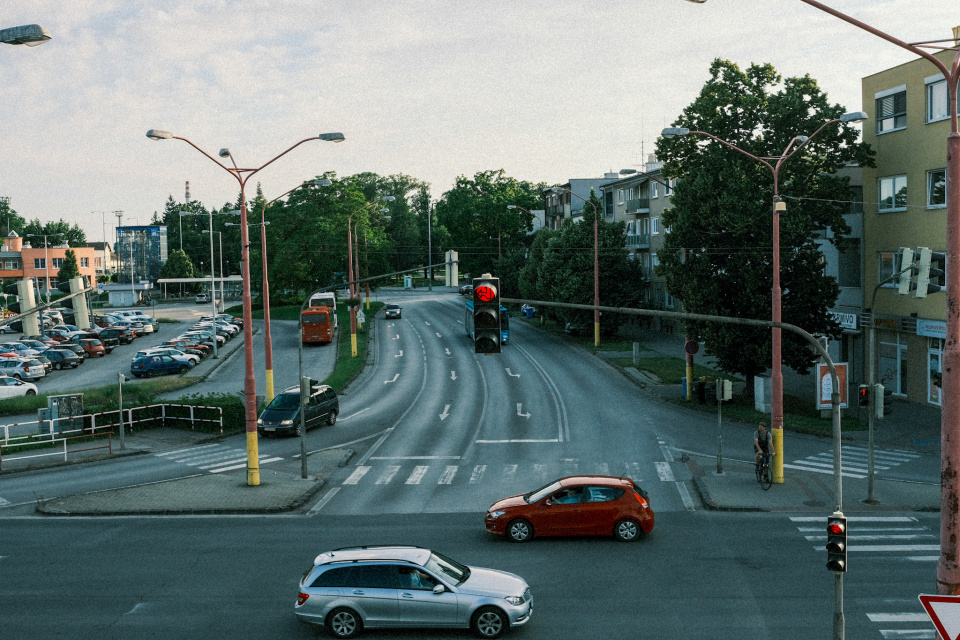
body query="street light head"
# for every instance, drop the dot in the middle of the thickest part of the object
(388, 198)
(157, 134)
(28, 34)
(627, 172)
(332, 137)
(697, 1)
(511, 206)
(384, 210)
(224, 153)
(802, 139)
(673, 132)
(323, 182)
(855, 116)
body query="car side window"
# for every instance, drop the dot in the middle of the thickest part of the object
(570, 495)
(603, 494)
(378, 576)
(413, 578)
(337, 577)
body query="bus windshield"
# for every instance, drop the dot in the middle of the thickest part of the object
(315, 317)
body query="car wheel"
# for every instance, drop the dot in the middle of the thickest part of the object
(343, 623)
(332, 419)
(57, 366)
(31, 392)
(489, 622)
(18, 376)
(298, 431)
(150, 373)
(626, 530)
(183, 369)
(520, 530)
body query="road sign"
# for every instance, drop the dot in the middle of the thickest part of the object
(944, 612)
(691, 347)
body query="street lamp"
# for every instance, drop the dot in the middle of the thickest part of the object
(242, 175)
(213, 282)
(352, 276)
(46, 255)
(774, 163)
(596, 262)
(29, 34)
(267, 340)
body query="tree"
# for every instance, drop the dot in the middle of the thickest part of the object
(717, 258)
(178, 265)
(10, 218)
(72, 235)
(70, 269)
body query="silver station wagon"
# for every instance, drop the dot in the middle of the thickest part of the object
(349, 589)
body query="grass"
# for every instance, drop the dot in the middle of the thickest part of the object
(670, 370)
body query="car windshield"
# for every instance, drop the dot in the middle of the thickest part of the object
(441, 564)
(542, 492)
(285, 402)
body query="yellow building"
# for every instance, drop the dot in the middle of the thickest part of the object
(905, 206)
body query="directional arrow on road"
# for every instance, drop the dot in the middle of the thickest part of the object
(446, 412)
(515, 375)
(399, 355)
(453, 375)
(394, 379)
(448, 351)
(439, 336)
(520, 411)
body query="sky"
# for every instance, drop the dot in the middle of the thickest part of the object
(434, 89)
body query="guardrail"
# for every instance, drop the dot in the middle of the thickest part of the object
(65, 452)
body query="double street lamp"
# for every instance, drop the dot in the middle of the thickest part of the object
(353, 275)
(242, 175)
(774, 164)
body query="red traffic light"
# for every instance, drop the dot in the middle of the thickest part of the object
(835, 528)
(485, 293)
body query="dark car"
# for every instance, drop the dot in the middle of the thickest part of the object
(578, 505)
(465, 289)
(282, 415)
(77, 349)
(392, 311)
(62, 358)
(150, 366)
(121, 334)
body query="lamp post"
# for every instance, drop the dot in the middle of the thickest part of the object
(352, 278)
(242, 175)
(774, 164)
(46, 256)
(29, 34)
(267, 339)
(213, 281)
(596, 262)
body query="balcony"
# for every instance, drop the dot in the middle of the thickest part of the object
(639, 241)
(638, 205)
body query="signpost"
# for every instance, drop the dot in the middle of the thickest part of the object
(944, 612)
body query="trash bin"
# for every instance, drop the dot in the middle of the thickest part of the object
(683, 387)
(528, 311)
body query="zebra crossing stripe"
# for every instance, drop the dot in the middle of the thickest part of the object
(477, 474)
(665, 472)
(908, 634)
(243, 465)
(357, 474)
(447, 476)
(387, 475)
(418, 472)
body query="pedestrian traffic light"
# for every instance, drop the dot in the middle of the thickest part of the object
(904, 284)
(863, 396)
(486, 314)
(837, 543)
(878, 400)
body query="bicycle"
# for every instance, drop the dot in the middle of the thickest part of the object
(764, 474)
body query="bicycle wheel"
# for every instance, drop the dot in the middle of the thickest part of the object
(758, 468)
(766, 477)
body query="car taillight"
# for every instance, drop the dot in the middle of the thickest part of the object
(301, 598)
(640, 499)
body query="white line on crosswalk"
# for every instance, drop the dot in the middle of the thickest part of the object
(898, 617)
(357, 474)
(418, 472)
(664, 471)
(908, 634)
(242, 465)
(191, 449)
(388, 475)
(477, 473)
(447, 476)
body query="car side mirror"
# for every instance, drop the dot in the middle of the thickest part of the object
(547, 502)
(437, 590)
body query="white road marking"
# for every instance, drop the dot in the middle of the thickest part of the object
(394, 379)
(445, 414)
(477, 474)
(357, 474)
(453, 375)
(417, 475)
(511, 374)
(520, 411)
(665, 472)
(387, 475)
(447, 476)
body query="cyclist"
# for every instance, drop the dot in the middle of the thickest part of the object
(763, 443)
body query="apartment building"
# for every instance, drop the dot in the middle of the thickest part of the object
(18, 259)
(904, 206)
(567, 206)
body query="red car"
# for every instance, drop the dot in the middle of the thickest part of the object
(578, 505)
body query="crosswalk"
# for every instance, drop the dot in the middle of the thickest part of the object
(853, 461)
(214, 458)
(444, 473)
(902, 538)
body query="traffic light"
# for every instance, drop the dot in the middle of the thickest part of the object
(863, 396)
(11, 289)
(837, 543)
(926, 269)
(486, 314)
(64, 286)
(904, 284)
(878, 400)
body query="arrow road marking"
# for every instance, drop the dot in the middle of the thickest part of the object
(520, 413)
(446, 412)
(515, 375)
(396, 337)
(399, 355)
(453, 375)
(448, 351)
(439, 336)
(394, 379)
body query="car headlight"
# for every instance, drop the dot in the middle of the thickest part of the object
(496, 514)
(514, 600)
(259, 420)
(287, 422)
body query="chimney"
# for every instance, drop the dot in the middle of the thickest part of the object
(188, 192)
(956, 36)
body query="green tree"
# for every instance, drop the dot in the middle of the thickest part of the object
(717, 258)
(178, 265)
(72, 234)
(11, 219)
(69, 269)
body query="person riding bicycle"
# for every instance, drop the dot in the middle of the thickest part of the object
(763, 442)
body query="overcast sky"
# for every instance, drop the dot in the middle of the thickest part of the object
(546, 90)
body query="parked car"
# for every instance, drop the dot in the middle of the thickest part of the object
(577, 505)
(136, 328)
(36, 345)
(19, 348)
(345, 590)
(189, 346)
(465, 289)
(63, 358)
(392, 311)
(76, 348)
(190, 359)
(123, 335)
(150, 366)
(201, 298)
(282, 415)
(93, 348)
(45, 361)
(22, 368)
(54, 334)
(14, 388)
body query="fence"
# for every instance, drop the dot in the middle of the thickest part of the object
(52, 443)
(52, 432)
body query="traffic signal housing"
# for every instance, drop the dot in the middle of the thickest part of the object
(863, 396)
(837, 543)
(486, 314)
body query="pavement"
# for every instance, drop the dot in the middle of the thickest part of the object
(728, 484)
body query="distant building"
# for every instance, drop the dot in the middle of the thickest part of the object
(105, 260)
(19, 259)
(141, 252)
(562, 207)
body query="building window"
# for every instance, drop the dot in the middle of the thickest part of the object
(888, 264)
(39, 263)
(937, 188)
(58, 263)
(619, 196)
(938, 103)
(630, 193)
(668, 300)
(654, 226)
(667, 189)
(13, 265)
(85, 262)
(893, 193)
(892, 110)
(848, 264)
(654, 190)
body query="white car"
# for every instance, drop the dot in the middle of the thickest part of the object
(176, 354)
(201, 298)
(13, 388)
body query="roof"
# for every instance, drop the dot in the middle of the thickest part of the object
(610, 480)
(415, 555)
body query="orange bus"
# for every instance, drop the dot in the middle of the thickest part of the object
(319, 324)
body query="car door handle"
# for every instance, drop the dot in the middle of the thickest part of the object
(406, 595)
(358, 592)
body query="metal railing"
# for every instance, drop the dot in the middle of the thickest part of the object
(65, 452)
